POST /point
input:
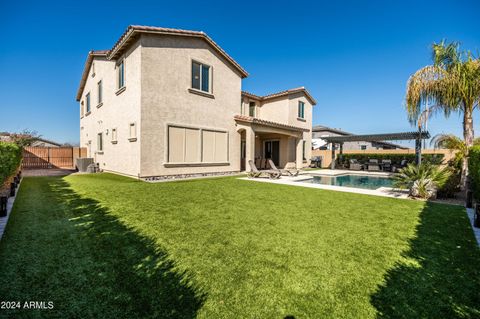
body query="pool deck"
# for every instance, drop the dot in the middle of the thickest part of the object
(307, 175)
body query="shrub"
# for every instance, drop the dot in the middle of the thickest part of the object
(422, 181)
(10, 157)
(395, 158)
(474, 169)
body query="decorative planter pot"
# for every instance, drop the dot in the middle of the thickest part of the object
(3, 206)
(469, 201)
(476, 219)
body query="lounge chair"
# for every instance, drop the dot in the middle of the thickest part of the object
(355, 165)
(267, 172)
(397, 167)
(284, 171)
(373, 165)
(387, 165)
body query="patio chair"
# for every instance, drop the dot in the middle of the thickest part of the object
(284, 171)
(387, 165)
(373, 165)
(402, 164)
(355, 165)
(256, 173)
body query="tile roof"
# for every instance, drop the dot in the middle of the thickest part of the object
(255, 120)
(131, 34)
(280, 94)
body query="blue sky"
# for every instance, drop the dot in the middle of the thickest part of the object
(354, 56)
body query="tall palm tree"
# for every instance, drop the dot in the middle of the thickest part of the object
(451, 84)
(453, 143)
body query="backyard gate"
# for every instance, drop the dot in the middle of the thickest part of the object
(51, 157)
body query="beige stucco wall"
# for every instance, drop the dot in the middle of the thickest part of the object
(116, 111)
(284, 110)
(158, 79)
(327, 154)
(166, 100)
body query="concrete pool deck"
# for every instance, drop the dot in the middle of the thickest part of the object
(307, 175)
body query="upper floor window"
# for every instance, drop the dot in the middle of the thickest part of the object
(87, 98)
(201, 79)
(121, 74)
(251, 109)
(99, 92)
(301, 109)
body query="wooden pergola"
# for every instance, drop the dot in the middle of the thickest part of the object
(417, 136)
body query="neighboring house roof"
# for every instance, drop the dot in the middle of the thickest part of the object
(280, 94)
(131, 34)
(46, 141)
(319, 128)
(254, 120)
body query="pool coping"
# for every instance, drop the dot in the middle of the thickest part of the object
(297, 181)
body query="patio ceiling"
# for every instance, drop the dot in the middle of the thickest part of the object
(378, 137)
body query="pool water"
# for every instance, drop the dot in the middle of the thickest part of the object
(356, 181)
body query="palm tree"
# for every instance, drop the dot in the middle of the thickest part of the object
(451, 84)
(453, 143)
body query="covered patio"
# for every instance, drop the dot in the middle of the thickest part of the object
(262, 140)
(417, 136)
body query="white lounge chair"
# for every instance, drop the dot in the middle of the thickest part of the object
(284, 171)
(267, 172)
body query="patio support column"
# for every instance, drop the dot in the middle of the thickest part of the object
(299, 154)
(418, 151)
(250, 147)
(332, 165)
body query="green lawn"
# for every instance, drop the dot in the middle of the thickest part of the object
(104, 246)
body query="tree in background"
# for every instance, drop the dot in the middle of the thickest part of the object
(451, 84)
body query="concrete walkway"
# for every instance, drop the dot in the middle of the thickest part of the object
(4, 220)
(48, 172)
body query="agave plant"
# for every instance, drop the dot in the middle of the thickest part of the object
(423, 181)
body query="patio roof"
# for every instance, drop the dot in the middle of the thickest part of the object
(378, 137)
(254, 120)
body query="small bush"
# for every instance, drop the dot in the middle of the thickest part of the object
(474, 169)
(10, 157)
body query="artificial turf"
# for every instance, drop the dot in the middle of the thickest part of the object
(104, 246)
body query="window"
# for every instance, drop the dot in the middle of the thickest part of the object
(301, 109)
(251, 109)
(114, 135)
(100, 92)
(214, 146)
(304, 150)
(132, 132)
(121, 74)
(100, 142)
(183, 145)
(363, 147)
(201, 77)
(88, 102)
(193, 145)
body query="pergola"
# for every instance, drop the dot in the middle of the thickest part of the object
(418, 136)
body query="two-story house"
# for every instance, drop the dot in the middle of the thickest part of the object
(167, 102)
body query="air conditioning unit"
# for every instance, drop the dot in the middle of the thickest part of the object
(82, 163)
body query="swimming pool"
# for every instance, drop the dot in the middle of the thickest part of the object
(355, 181)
